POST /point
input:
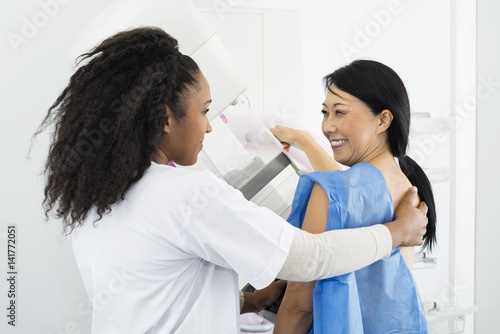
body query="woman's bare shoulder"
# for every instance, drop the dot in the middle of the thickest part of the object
(398, 184)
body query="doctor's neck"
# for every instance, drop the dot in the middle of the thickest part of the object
(160, 157)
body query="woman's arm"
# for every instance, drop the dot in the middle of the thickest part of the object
(295, 313)
(317, 156)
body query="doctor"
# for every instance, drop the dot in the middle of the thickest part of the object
(160, 248)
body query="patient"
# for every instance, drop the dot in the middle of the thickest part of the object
(366, 118)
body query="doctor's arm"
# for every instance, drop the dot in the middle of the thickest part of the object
(317, 156)
(333, 253)
(295, 314)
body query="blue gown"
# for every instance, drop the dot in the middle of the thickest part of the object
(380, 298)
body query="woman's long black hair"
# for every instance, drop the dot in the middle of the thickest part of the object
(108, 121)
(380, 88)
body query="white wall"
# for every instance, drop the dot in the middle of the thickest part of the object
(50, 296)
(488, 179)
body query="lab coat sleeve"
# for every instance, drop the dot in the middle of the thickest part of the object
(335, 252)
(223, 228)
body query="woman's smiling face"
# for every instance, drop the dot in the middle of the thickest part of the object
(351, 127)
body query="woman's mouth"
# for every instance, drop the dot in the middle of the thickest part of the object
(338, 143)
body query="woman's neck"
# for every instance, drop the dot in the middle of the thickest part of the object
(380, 156)
(384, 161)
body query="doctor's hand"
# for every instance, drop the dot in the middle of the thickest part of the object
(260, 299)
(410, 222)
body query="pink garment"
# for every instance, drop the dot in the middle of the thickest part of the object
(251, 319)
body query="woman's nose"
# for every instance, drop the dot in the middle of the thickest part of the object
(209, 127)
(329, 124)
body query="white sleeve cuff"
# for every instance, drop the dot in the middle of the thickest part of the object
(383, 240)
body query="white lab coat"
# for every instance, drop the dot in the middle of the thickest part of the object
(166, 259)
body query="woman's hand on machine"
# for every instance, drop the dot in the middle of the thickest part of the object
(288, 136)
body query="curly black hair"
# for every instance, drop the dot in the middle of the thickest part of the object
(108, 121)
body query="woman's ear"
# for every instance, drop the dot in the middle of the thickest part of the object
(168, 124)
(384, 120)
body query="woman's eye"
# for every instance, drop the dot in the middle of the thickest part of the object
(206, 110)
(324, 112)
(339, 112)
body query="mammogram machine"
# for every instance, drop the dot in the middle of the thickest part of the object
(240, 149)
